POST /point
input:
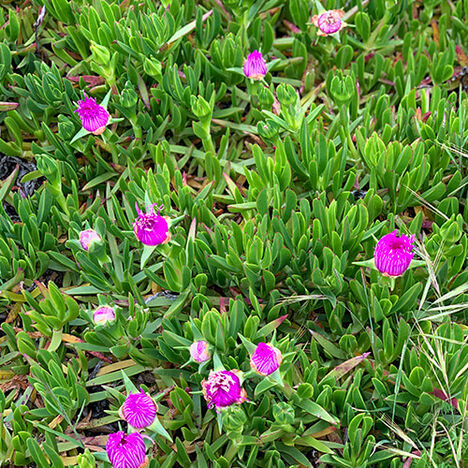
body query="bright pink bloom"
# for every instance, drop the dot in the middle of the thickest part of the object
(329, 22)
(151, 228)
(199, 351)
(139, 410)
(393, 254)
(103, 315)
(255, 66)
(222, 389)
(94, 117)
(126, 450)
(87, 237)
(266, 359)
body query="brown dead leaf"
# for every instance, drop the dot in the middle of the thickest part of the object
(435, 32)
(461, 56)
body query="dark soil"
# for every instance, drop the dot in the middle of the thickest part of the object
(8, 165)
(26, 189)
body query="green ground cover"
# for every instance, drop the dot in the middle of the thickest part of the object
(273, 191)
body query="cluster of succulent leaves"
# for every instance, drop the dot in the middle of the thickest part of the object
(277, 192)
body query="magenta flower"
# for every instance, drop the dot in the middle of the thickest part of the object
(266, 359)
(222, 389)
(255, 66)
(103, 314)
(87, 237)
(393, 254)
(151, 228)
(94, 117)
(139, 410)
(126, 450)
(329, 22)
(199, 351)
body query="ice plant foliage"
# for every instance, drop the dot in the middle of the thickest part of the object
(126, 450)
(103, 315)
(87, 237)
(266, 359)
(255, 66)
(222, 389)
(393, 254)
(199, 351)
(94, 117)
(139, 410)
(329, 22)
(151, 228)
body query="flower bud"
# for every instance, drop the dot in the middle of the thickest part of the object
(283, 413)
(234, 419)
(100, 53)
(126, 450)
(201, 108)
(286, 94)
(266, 97)
(103, 315)
(152, 67)
(66, 129)
(129, 97)
(199, 351)
(266, 359)
(268, 129)
(87, 237)
(86, 460)
(139, 410)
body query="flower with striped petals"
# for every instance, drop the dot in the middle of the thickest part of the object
(126, 450)
(393, 254)
(94, 117)
(139, 410)
(266, 359)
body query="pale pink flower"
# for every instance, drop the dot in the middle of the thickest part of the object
(199, 351)
(329, 22)
(87, 237)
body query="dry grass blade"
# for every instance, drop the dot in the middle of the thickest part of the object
(399, 432)
(310, 297)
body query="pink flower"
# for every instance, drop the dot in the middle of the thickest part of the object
(103, 315)
(329, 22)
(94, 117)
(199, 351)
(87, 237)
(126, 450)
(393, 255)
(222, 389)
(139, 410)
(151, 228)
(266, 359)
(255, 66)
